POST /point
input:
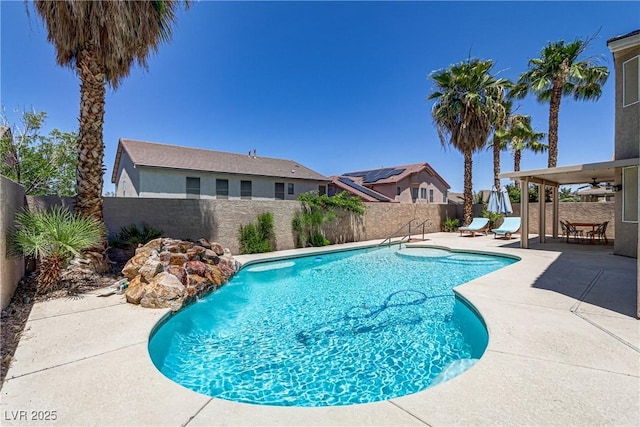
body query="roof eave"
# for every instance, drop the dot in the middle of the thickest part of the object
(625, 41)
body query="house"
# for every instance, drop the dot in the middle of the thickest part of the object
(594, 193)
(146, 169)
(415, 183)
(626, 57)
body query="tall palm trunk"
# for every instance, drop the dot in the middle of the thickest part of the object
(89, 177)
(90, 145)
(517, 155)
(467, 211)
(554, 112)
(496, 164)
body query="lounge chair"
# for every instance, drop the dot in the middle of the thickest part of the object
(478, 225)
(508, 227)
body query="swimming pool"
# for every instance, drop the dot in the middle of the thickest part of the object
(334, 329)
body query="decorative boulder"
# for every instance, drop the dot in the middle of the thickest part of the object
(164, 291)
(169, 273)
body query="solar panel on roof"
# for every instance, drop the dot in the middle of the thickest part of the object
(364, 190)
(376, 174)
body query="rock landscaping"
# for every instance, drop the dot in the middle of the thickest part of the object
(171, 273)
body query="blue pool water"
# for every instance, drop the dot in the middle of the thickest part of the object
(334, 329)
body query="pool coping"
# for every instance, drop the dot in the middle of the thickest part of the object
(556, 355)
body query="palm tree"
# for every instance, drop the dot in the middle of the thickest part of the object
(468, 105)
(101, 40)
(499, 142)
(520, 136)
(557, 73)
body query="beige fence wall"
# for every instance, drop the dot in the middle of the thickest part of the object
(11, 269)
(220, 220)
(572, 212)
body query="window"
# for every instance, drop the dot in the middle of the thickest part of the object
(414, 193)
(431, 196)
(444, 198)
(222, 188)
(279, 190)
(630, 194)
(290, 188)
(322, 190)
(398, 191)
(193, 188)
(631, 81)
(245, 189)
(423, 193)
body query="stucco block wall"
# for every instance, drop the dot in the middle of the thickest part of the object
(220, 220)
(215, 220)
(572, 212)
(11, 269)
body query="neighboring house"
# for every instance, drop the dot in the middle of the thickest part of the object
(145, 169)
(596, 194)
(416, 183)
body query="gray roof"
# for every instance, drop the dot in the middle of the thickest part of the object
(155, 155)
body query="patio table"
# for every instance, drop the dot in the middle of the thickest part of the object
(593, 226)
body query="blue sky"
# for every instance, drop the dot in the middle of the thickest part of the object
(336, 86)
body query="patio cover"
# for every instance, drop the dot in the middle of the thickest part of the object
(554, 177)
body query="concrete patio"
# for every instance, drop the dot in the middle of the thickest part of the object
(563, 350)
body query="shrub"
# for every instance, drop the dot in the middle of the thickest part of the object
(317, 240)
(258, 238)
(307, 225)
(130, 236)
(450, 224)
(53, 237)
(493, 217)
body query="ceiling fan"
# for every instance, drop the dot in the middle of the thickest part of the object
(593, 184)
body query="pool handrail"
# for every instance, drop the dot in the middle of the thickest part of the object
(406, 236)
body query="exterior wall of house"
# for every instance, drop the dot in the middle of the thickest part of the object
(421, 181)
(627, 146)
(171, 184)
(627, 124)
(11, 269)
(128, 181)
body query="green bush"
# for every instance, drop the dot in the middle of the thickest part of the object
(318, 210)
(258, 238)
(53, 237)
(450, 224)
(317, 240)
(130, 236)
(493, 217)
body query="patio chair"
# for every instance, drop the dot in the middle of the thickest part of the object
(478, 225)
(509, 226)
(600, 232)
(569, 230)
